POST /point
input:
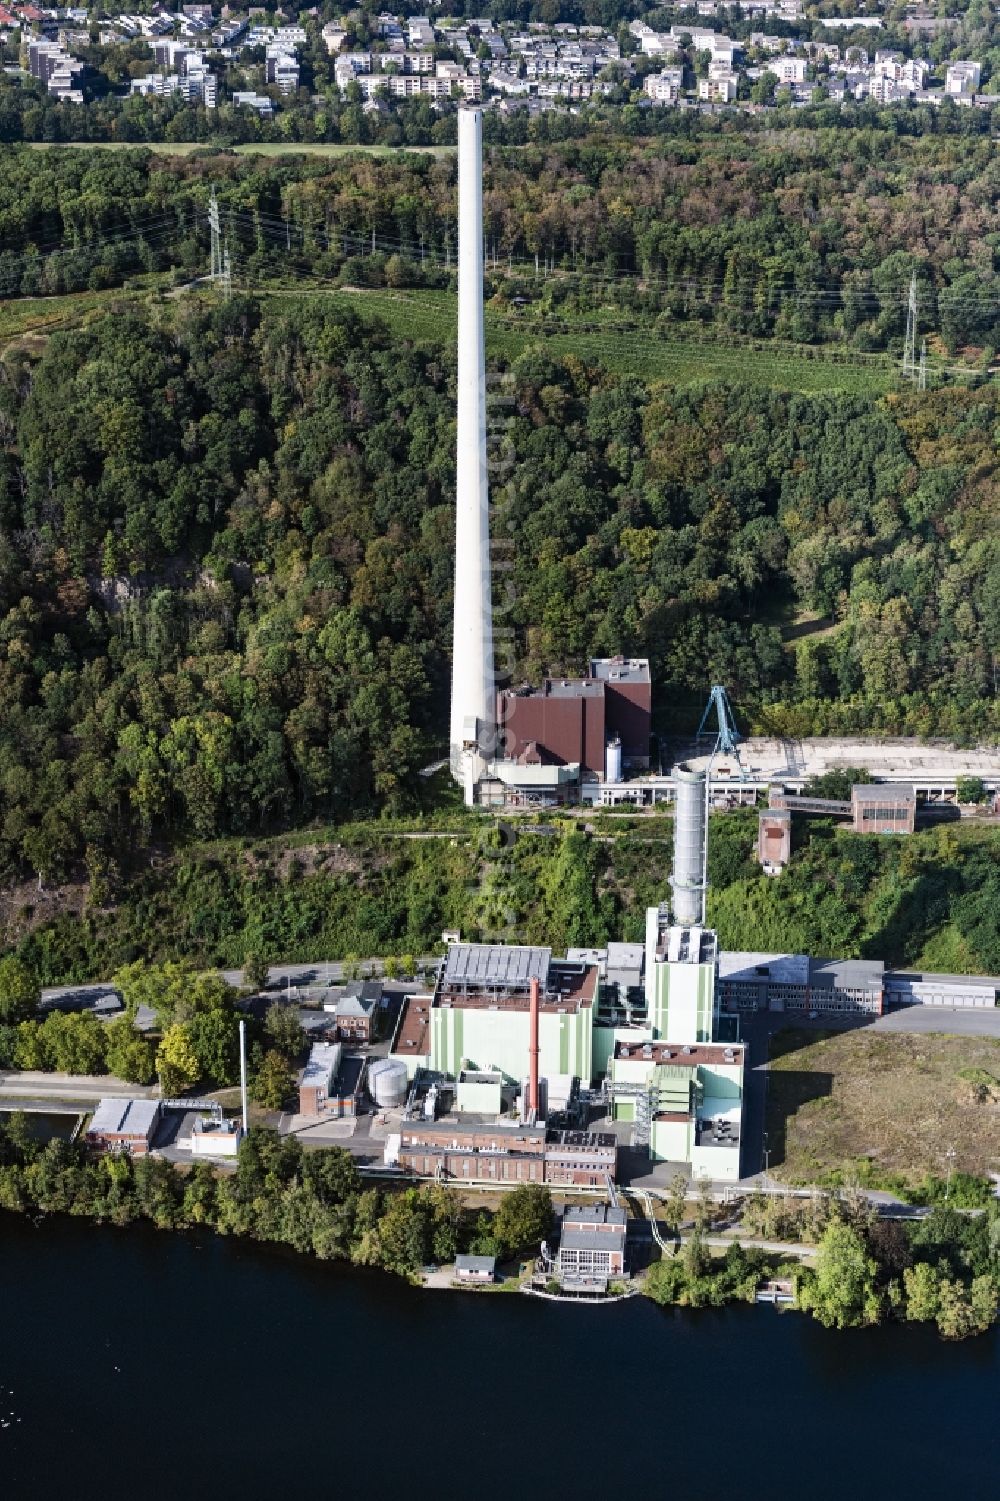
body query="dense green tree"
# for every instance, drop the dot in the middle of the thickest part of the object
(272, 1081)
(19, 991)
(177, 1062)
(840, 1290)
(130, 1055)
(523, 1218)
(284, 1030)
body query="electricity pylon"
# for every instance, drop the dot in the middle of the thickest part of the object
(910, 341)
(215, 251)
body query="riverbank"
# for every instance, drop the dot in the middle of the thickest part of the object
(229, 1344)
(942, 1269)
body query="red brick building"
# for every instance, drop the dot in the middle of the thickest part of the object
(571, 720)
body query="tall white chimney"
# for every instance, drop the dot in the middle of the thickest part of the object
(472, 681)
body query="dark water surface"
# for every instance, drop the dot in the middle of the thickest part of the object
(146, 1366)
(43, 1125)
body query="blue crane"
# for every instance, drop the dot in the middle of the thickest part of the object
(727, 739)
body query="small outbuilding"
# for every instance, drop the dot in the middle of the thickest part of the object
(476, 1269)
(357, 1011)
(122, 1124)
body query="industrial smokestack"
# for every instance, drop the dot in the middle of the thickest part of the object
(690, 845)
(473, 708)
(533, 1051)
(243, 1076)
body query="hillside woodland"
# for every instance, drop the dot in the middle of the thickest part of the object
(809, 235)
(225, 564)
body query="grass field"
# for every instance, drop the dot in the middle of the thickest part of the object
(38, 315)
(431, 315)
(872, 1106)
(250, 148)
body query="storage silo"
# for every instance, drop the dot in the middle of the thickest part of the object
(690, 833)
(387, 1083)
(613, 760)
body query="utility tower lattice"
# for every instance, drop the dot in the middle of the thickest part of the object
(215, 252)
(910, 371)
(226, 278)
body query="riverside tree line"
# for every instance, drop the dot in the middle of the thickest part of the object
(315, 1202)
(944, 1270)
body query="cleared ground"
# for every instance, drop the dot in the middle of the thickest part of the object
(870, 1105)
(432, 315)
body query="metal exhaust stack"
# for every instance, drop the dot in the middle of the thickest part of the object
(533, 1052)
(243, 1075)
(690, 845)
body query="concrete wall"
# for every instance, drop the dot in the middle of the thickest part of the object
(478, 1097)
(716, 1162)
(670, 1141)
(722, 1081)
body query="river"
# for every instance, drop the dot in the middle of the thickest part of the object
(143, 1366)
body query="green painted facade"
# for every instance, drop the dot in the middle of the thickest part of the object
(484, 1039)
(683, 1002)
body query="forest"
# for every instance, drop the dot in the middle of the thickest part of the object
(807, 235)
(225, 565)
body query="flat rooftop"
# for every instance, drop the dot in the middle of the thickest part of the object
(413, 1030)
(846, 974)
(119, 1115)
(569, 688)
(751, 967)
(905, 977)
(324, 1061)
(683, 1055)
(626, 955)
(495, 965)
(681, 945)
(586, 1140)
(892, 760)
(495, 1131)
(620, 669)
(564, 984)
(894, 792)
(594, 1214)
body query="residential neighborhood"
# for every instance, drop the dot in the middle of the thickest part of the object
(265, 62)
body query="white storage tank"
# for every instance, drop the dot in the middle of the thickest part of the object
(613, 760)
(387, 1083)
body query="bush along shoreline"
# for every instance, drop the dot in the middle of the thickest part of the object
(314, 1202)
(943, 1269)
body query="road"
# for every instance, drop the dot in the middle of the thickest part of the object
(974, 1022)
(279, 977)
(68, 1089)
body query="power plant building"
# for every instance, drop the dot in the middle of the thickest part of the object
(600, 723)
(479, 1016)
